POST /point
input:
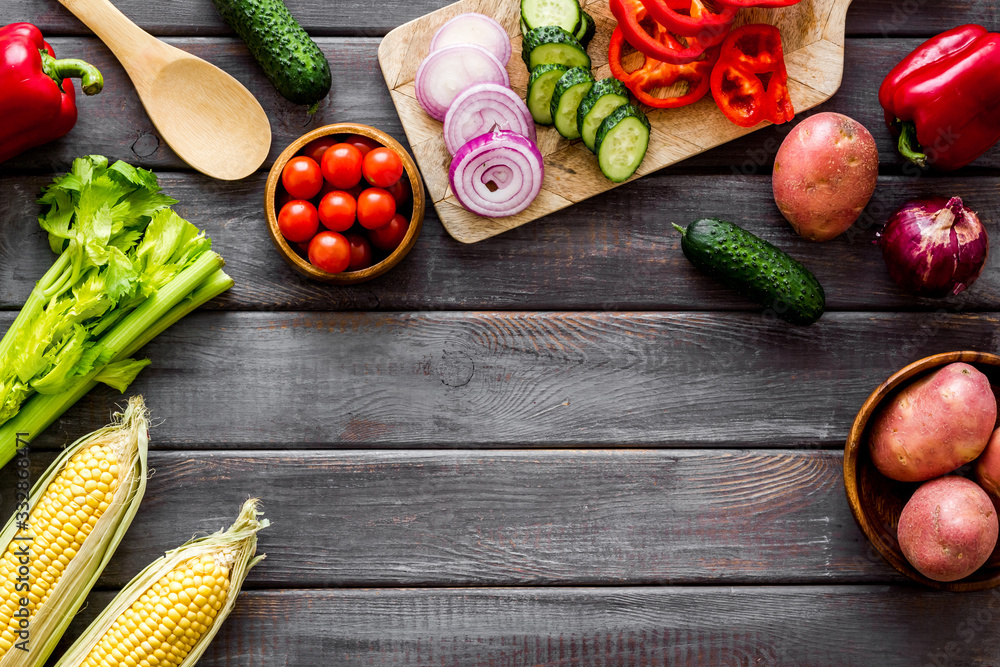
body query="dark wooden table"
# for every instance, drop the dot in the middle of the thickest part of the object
(562, 446)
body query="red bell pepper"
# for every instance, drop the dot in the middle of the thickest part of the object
(764, 4)
(691, 17)
(37, 103)
(656, 75)
(750, 81)
(944, 98)
(650, 37)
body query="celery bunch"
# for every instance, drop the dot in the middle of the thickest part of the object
(128, 268)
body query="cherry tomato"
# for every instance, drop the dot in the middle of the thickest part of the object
(337, 211)
(363, 144)
(330, 252)
(400, 191)
(361, 252)
(302, 177)
(303, 248)
(298, 220)
(375, 208)
(315, 148)
(342, 165)
(388, 237)
(382, 167)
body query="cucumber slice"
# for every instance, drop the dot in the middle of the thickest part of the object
(553, 45)
(570, 89)
(606, 96)
(541, 85)
(621, 143)
(586, 29)
(562, 13)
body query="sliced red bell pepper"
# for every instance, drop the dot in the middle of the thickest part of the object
(944, 98)
(655, 74)
(692, 17)
(649, 37)
(750, 81)
(764, 4)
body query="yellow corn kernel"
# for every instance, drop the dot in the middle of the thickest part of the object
(159, 627)
(59, 523)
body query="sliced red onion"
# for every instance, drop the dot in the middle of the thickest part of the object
(483, 108)
(934, 247)
(473, 28)
(497, 174)
(448, 71)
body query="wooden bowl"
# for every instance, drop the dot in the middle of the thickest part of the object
(876, 501)
(301, 264)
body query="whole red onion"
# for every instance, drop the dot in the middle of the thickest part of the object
(934, 247)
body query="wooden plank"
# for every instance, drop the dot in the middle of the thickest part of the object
(813, 39)
(512, 517)
(356, 17)
(429, 380)
(842, 626)
(621, 254)
(115, 124)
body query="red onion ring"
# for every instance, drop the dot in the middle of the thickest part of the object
(448, 71)
(483, 108)
(497, 174)
(473, 28)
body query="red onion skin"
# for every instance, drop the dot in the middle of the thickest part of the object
(934, 247)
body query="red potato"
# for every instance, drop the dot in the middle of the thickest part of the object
(935, 425)
(948, 528)
(988, 467)
(824, 175)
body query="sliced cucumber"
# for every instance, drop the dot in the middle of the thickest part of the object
(562, 13)
(606, 96)
(553, 45)
(570, 89)
(586, 29)
(541, 85)
(621, 143)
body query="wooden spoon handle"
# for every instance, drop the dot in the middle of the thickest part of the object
(130, 43)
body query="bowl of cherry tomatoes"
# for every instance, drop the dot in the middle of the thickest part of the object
(344, 203)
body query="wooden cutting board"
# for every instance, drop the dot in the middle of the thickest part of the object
(813, 37)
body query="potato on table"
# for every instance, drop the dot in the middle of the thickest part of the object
(824, 174)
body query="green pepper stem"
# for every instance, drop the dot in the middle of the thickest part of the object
(909, 147)
(90, 77)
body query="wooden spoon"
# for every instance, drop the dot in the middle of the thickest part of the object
(206, 116)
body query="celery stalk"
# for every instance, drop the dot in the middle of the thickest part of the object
(41, 410)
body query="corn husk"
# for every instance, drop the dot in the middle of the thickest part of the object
(130, 431)
(240, 540)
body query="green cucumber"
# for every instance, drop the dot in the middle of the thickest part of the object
(754, 268)
(288, 56)
(570, 89)
(541, 85)
(553, 45)
(621, 142)
(586, 30)
(562, 13)
(606, 96)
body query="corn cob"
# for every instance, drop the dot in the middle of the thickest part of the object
(75, 517)
(172, 610)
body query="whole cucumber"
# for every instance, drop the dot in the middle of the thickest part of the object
(755, 268)
(286, 53)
